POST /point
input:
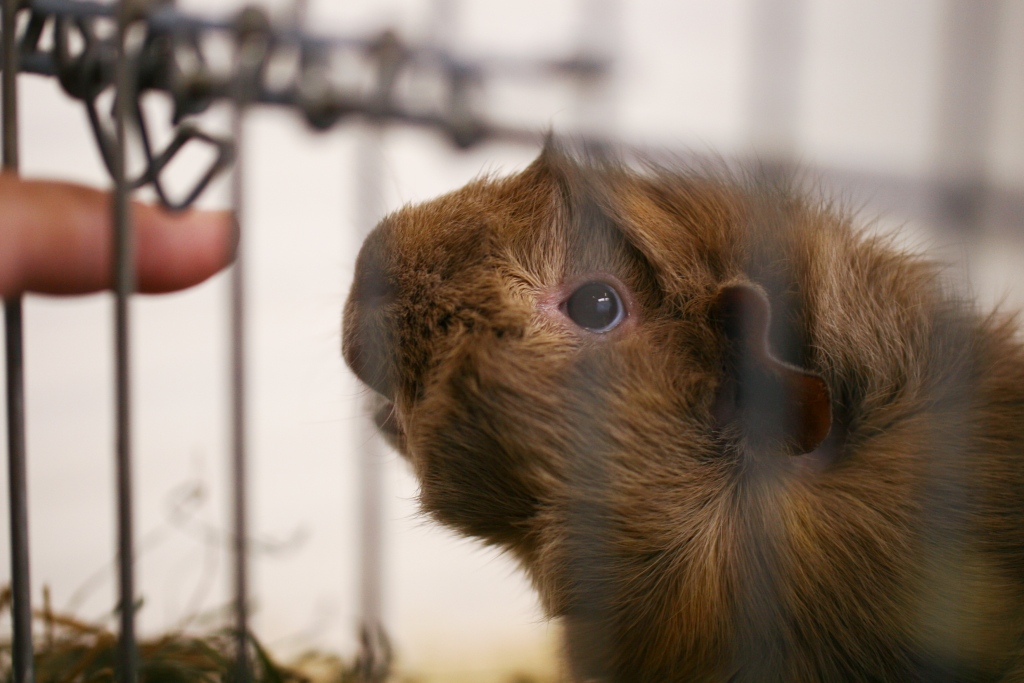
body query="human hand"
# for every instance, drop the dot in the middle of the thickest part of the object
(55, 238)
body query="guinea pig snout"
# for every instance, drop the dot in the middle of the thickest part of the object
(366, 332)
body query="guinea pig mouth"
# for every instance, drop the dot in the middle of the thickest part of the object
(386, 419)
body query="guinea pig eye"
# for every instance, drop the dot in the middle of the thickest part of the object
(595, 306)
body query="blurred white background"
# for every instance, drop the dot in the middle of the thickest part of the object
(869, 93)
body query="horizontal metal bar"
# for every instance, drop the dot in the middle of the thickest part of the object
(85, 75)
(169, 18)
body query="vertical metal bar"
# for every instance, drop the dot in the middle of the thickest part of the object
(239, 473)
(776, 54)
(251, 50)
(373, 655)
(598, 40)
(21, 590)
(589, 638)
(965, 108)
(774, 101)
(124, 286)
(10, 90)
(21, 610)
(373, 662)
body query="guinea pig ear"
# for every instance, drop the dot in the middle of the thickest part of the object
(771, 400)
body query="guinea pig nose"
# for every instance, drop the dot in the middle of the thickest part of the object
(367, 329)
(372, 288)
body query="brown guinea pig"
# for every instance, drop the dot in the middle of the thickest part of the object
(729, 436)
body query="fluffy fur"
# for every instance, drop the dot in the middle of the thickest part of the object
(679, 545)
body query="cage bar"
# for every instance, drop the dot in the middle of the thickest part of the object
(17, 480)
(251, 52)
(124, 287)
(239, 470)
(239, 461)
(21, 589)
(775, 61)
(373, 653)
(587, 637)
(964, 111)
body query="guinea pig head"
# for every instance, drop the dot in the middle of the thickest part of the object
(520, 330)
(461, 317)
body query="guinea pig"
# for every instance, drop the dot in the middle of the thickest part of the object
(727, 434)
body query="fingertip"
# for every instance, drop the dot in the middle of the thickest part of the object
(176, 251)
(55, 238)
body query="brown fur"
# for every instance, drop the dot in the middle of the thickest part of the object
(678, 548)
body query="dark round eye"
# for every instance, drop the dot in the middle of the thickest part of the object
(595, 306)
